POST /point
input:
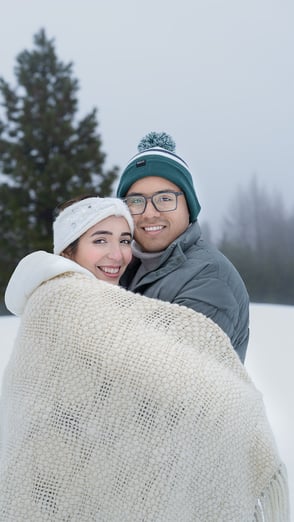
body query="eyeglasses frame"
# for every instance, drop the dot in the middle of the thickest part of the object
(176, 193)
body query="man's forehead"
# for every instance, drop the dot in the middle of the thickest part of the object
(150, 184)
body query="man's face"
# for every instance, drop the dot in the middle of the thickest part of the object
(155, 230)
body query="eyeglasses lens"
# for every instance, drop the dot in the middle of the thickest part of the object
(163, 202)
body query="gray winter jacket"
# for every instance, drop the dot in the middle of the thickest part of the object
(193, 273)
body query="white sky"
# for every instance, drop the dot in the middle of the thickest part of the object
(217, 75)
(269, 361)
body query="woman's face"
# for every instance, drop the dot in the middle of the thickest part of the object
(105, 249)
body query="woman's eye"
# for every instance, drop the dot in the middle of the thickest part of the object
(126, 241)
(99, 241)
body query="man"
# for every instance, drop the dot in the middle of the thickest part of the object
(172, 262)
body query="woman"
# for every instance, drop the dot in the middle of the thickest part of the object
(92, 233)
(121, 408)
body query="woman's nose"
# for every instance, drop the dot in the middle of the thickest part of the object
(115, 252)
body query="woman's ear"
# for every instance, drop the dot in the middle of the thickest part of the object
(66, 254)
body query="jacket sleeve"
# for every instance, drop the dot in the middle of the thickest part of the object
(216, 300)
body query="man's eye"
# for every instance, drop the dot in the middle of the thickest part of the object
(164, 197)
(136, 201)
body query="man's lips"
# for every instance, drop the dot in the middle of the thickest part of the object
(152, 228)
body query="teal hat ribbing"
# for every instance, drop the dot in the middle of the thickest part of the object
(157, 160)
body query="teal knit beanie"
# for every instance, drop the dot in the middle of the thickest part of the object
(157, 158)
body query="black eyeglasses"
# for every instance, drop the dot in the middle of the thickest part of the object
(163, 201)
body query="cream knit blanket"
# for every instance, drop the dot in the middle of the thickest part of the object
(120, 408)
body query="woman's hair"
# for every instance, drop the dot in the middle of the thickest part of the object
(71, 249)
(70, 202)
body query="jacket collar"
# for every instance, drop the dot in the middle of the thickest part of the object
(175, 253)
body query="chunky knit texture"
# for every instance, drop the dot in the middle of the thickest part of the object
(120, 408)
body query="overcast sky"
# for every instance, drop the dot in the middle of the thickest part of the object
(218, 75)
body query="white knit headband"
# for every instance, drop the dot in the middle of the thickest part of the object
(76, 219)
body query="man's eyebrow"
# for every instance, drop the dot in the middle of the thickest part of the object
(163, 191)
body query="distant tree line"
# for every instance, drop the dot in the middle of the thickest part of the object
(47, 156)
(258, 238)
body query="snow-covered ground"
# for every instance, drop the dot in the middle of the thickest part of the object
(270, 363)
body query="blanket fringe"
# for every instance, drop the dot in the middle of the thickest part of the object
(273, 503)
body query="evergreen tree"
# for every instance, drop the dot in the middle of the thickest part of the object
(46, 155)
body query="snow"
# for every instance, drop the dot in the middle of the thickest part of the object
(270, 363)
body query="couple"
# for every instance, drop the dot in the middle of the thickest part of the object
(117, 407)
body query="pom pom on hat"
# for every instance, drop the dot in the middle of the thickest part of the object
(157, 139)
(157, 158)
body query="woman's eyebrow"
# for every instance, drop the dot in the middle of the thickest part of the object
(103, 232)
(107, 232)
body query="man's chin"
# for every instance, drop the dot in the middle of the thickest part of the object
(152, 246)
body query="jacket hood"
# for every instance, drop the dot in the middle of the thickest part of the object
(31, 272)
